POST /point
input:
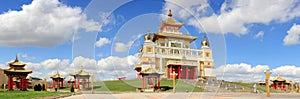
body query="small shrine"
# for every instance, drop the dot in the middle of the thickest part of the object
(70, 82)
(17, 75)
(57, 80)
(150, 80)
(81, 77)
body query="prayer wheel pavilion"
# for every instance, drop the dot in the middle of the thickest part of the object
(57, 80)
(19, 73)
(81, 77)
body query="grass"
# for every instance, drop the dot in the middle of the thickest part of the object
(261, 88)
(132, 85)
(28, 94)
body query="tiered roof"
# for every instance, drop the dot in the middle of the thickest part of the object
(17, 67)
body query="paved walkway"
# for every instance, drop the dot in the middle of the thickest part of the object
(203, 95)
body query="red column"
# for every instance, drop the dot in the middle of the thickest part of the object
(178, 71)
(158, 84)
(84, 82)
(170, 71)
(186, 72)
(143, 83)
(24, 84)
(52, 83)
(62, 83)
(9, 82)
(78, 83)
(195, 73)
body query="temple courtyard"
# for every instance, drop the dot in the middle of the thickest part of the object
(184, 95)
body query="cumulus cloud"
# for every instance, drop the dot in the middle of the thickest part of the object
(102, 41)
(292, 37)
(43, 23)
(85, 63)
(249, 73)
(241, 72)
(55, 64)
(117, 66)
(235, 15)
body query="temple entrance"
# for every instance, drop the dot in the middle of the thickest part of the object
(183, 72)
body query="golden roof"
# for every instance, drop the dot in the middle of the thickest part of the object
(80, 72)
(16, 62)
(137, 66)
(278, 78)
(57, 75)
(18, 70)
(205, 42)
(186, 37)
(170, 21)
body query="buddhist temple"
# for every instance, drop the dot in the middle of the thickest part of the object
(169, 50)
(81, 79)
(17, 75)
(70, 82)
(57, 80)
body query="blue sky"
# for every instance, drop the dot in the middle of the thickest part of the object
(245, 36)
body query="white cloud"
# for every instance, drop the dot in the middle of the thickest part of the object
(55, 64)
(241, 72)
(292, 37)
(235, 15)
(43, 23)
(290, 72)
(2, 66)
(25, 56)
(248, 73)
(123, 47)
(85, 63)
(102, 41)
(259, 35)
(117, 66)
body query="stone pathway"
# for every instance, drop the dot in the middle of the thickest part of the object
(203, 95)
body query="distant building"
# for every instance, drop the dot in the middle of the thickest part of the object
(3, 78)
(169, 51)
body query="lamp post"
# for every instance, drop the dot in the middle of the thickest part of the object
(174, 81)
(92, 76)
(267, 74)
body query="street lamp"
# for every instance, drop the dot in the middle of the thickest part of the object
(174, 81)
(267, 74)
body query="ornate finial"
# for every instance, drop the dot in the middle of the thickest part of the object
(170, 13)
(148, 36)
(205, 41)
(16, 60)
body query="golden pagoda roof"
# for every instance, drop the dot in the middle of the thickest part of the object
(57, 75)
(21, 70)
(80, 72)
(278, 78)
(16, 62)
(170, 21)
(71, 80)
(187, 37)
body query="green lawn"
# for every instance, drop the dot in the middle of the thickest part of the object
(132, 85)
(28, 94)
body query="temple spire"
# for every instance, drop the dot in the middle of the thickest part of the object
(16, 60)
(170, 13)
